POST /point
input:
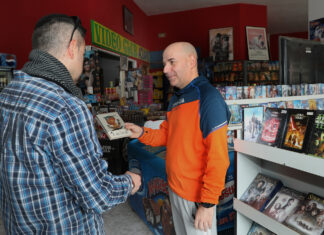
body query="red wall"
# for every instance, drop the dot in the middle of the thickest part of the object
(17, 21)
(193, 26)
(274, 42)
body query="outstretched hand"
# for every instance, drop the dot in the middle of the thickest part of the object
(136, 130)
(136, 180)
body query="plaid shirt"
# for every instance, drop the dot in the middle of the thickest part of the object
(52, 177)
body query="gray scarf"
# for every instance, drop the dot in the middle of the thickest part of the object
(42, 64)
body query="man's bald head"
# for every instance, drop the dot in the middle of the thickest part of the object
(184, 47)
(180, 63)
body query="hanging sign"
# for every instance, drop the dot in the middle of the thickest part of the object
(108, 39)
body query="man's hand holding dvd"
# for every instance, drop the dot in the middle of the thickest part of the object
(113, 125)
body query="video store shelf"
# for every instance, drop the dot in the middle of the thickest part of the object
(299, 161)
(276, 99)
(260, 218)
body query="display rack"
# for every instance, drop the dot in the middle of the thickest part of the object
(245, 72)
(275, 99)
(298, 171)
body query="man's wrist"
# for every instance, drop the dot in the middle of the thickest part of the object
(206, 204)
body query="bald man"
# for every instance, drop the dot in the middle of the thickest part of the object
(195, 134)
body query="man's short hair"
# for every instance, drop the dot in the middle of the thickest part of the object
(53, 32)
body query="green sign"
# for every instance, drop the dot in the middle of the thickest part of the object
(108, 39)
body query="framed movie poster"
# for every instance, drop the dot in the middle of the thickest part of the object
(256, 38)
(221, 44)
(316, 30)
(128, 21)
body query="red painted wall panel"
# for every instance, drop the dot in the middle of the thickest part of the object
(274, 42)
(18, 18)
(17, 22)
(194, 25)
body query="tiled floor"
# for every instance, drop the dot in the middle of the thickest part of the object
(121, 220)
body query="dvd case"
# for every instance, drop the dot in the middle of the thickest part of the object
(309, 216)
(113, 125)
(273, 124)
(297, 129)
(252, 122)
(316, 139)
(284, 203)
(260, 191)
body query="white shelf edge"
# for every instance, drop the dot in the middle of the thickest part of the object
(275, 99)
(233, 127)
(262, 219)
(299, 161)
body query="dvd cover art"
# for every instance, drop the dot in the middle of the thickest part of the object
(268, 91)
(260, 191)
(272, 126)
(321, 88)
(293, 90)
(279, 93)
(297, 129)
(246, 92)
(320, 104)
(316, 139)
(284, 203)
(273, 91)
(236, 113)
(230, 92)
(239, 92)
(309, 216)
(312, 104)
(257, 229)
(297, 104)
(298, 92)
(251, 92)
(285, 90)
(263, 91)
(304, 104)
(258, 92)
(252, 122)
(289, 104)
(281, 104)
(313, 89)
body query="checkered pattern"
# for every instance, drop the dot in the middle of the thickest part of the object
(52, 177)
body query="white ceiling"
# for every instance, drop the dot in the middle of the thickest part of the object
(284, 16)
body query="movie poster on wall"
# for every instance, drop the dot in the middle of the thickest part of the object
(316, 30)
(221, 44)
(256, 38)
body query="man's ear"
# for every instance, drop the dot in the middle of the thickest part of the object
(193, 61)
(71, 49)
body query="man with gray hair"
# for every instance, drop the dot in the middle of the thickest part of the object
(52, 177)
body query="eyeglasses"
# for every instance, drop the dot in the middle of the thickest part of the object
(77, 23)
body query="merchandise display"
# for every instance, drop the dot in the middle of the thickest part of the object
(261, 191)
(284, 203)
(252, 122)
(316, 139)
(257, 229)
(243, 73)
(272, 126)
(297, 129)
(309, 217)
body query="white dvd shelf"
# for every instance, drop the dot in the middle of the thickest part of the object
(298, 171)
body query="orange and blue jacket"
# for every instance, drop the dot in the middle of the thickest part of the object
(195, 136)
